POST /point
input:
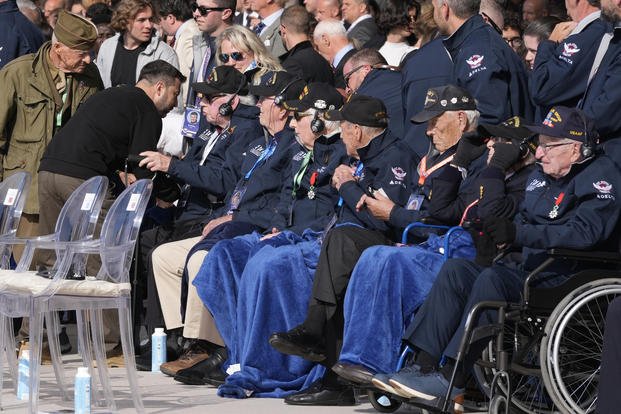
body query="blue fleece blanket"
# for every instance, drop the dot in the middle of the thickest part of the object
(254, 288)
(388, 284)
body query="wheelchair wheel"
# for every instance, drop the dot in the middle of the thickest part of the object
(498, 405)
(571, 350)
(383, 402)
(528, 392)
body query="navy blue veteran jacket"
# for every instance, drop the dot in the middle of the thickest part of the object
(386, 85)
(603, 97)
(18, 35)
(499, 195)
(197, 174)
(485, 65)
(425, 68)
(263, 186)
(579, 211)
(561, 70)
(388, 164)
(305, 208)
(222, 168)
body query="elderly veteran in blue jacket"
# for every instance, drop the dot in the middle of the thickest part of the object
(245, 309)
(570, 202)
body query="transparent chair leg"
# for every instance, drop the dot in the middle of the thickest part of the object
(53, 330)
(100, 355)
(9, 342)
(86, 352)
(125, 321)
(36, 335)
(4, 347)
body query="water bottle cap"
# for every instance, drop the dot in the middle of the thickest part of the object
(83, 371)
(159, 330)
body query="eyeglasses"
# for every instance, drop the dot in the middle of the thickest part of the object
(236, 56)
(514, 41)
(351, 72)
(547, 147)
(299, 115)
(204, 11)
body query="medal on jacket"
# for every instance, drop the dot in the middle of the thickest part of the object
(311, 191)
(554, 212)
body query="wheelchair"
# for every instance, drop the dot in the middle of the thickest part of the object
(544, 352)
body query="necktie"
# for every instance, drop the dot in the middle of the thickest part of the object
(259, 28)
(297, 179)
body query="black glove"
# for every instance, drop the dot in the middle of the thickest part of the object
(505, 155)
(500, 229)
(470, 147)
(165, 188)
(486, 248)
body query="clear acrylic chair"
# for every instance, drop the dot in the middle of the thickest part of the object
(109, 289)
(13, 193)
(77, 221)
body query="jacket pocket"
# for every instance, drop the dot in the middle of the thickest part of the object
(31, 119)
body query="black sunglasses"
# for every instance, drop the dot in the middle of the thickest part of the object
(236, 56)
(204, 11)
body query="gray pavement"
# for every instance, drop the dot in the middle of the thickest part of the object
(161, 394)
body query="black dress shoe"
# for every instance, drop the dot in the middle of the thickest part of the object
(197, 374)
(354, 373)
(318, 395)
(215, 377)
(299, 342)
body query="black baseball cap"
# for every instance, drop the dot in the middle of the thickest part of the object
(317, 95)
(514, 128)
(564, 122)
(361, 110)
(442, 99)
(222, 80)
(275, 83)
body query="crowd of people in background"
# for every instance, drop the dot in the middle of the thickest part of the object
(292, 141)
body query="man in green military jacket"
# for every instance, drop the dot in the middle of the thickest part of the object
(38, 93)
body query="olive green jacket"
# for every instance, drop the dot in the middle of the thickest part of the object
(29, 103)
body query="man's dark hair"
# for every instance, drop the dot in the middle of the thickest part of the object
(367, 57)
(595, 3)
(296, 19)
(160, 70)
(393, 14)
(227, 4)
(178, 8)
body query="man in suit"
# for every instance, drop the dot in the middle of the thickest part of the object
(362, 27)
(332, 43)
(301, 59)
(177, 21)
(267, 29)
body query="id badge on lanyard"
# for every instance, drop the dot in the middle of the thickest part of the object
(238, 194)
(191, 121)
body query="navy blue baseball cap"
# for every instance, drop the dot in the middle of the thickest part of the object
(564, 122)
(442, 99)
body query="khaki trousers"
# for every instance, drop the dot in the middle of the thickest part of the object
(168, 261)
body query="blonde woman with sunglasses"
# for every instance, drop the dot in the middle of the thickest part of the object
(241, 48)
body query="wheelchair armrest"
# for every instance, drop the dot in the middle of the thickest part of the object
(420, 225)
(606, 257)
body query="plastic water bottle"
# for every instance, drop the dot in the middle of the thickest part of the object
(82, 391)
(158, 349)
(23, 379)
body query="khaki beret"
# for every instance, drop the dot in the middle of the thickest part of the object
(75, 31)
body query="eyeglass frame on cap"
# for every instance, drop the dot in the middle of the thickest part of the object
(224, 57)
(204, 11)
